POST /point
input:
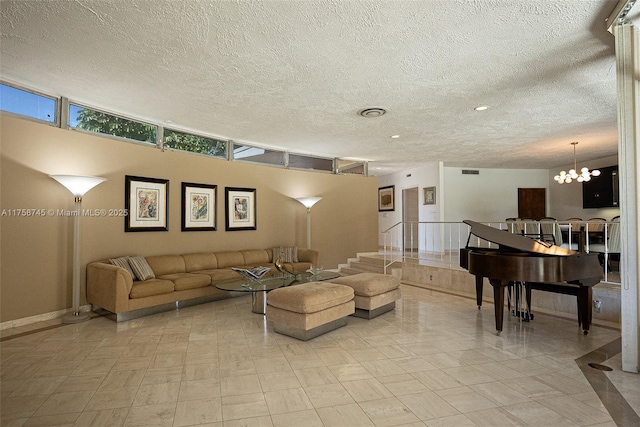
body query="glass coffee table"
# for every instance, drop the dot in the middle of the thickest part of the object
(260, 287)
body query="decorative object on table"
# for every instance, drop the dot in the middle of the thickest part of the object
(78, 186)
(584, 175)
(147, 204)
(386, 198)
(308, 203)
(199, 203)
(282, 267)
(252, 273)
(314, 269)
(429, 195)
(240, 209)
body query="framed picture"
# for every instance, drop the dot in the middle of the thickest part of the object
(146, 201)
(199, 203)
(429, 195)
(386, 198)
(240, 208)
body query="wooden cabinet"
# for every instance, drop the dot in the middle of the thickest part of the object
(601, 191)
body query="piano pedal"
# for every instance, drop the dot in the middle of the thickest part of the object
(525, 316)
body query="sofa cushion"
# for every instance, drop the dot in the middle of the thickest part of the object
(285, 254)
(151, 287)
(166, 264)
(183, 281)
(369, 284)
(229, 259)
(123, 262)
(220, 274)
(201, 261)
(308, 255)
(297, 267)
(141, 268)
(309, 297)
(255, 257)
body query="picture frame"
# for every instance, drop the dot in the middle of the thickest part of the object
(429, 195)
(386, 198)
(240, 209)
(147, 202)
(199, 207)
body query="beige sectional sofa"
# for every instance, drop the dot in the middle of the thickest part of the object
(179, 280)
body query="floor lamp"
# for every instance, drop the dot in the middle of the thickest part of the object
(78, 186)
(308, 203)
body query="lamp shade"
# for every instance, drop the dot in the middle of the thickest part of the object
(308, 202)
(78, 185)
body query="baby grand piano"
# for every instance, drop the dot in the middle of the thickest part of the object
(536, 264)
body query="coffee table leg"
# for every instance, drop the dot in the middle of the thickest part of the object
(259, 302)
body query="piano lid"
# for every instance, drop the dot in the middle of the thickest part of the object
(515, 241)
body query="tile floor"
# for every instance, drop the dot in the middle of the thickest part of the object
(434, 361)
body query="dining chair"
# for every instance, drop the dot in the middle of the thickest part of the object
(571, 233)
(612, 246)
(595, 229)
(550, 231)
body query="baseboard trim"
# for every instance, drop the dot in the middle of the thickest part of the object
(9, 324)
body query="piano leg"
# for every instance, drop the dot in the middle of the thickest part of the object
(479, 286)
(528, 299)
(584, 295)
(498, 301)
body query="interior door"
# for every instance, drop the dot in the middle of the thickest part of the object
(532, 203)
(410, 218)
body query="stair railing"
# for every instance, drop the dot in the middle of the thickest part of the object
(438, 242)
(392, 252)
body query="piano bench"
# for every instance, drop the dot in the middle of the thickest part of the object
(375, 293)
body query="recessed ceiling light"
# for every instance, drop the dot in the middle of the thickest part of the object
(482, 108)
(395, 136)
(372, 112)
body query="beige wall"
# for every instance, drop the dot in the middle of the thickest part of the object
(35, 263)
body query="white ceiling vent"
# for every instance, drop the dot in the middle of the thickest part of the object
(372, 112)
(470, 172)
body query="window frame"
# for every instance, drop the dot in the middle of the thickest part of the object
(196, 134)
(232, 157)
(332, 160)
(56, 104)
(71, 103)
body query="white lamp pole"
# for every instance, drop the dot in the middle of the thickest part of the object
(78, 186)
(308, 203)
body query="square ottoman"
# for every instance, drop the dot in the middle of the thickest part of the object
(310, 309)
(375, 293)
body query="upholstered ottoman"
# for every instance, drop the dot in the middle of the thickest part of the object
(374, 293)
(310, 309)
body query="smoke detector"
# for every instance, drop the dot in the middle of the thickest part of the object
(372, 112)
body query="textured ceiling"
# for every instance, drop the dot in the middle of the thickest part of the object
(293, 74)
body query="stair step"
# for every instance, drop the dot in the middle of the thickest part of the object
(371, 260)
(367, 267)
(367, 263)
(352, 271)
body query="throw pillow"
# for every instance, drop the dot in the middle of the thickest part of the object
(285, 253)
(141, 268)
(124, 263)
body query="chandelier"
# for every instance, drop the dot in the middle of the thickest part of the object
(584, 175)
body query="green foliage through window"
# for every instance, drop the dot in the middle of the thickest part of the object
(194, 143)
(97, 121)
